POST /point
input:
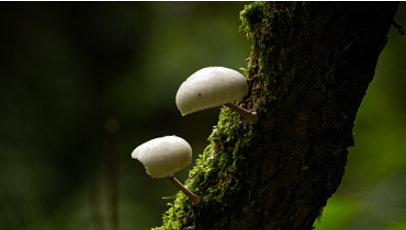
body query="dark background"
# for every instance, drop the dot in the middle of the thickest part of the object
(81, 82)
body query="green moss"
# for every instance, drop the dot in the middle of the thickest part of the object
(251, 16)
(215, 175)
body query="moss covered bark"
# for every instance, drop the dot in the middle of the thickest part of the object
(309, 68)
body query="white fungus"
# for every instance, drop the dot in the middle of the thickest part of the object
(210, 87)
(164, 156)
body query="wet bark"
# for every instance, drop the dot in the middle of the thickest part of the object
(308, 71)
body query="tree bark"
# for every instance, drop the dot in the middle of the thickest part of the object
(309, 68)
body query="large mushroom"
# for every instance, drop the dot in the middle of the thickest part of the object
(164, 156)
(211, 87)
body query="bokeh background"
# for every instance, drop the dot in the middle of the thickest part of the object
(82, 84)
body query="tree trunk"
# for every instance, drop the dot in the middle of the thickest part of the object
(309, 68)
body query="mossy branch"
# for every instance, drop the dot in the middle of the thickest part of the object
(309, 68)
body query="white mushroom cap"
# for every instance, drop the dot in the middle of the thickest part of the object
(163, 156)
(210, 87)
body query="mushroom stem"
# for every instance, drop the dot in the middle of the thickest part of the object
(195, 198)
(252, 117)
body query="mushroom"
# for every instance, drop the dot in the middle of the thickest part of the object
(164, 156)
(213, 86)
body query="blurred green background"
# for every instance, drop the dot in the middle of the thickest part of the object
(82, 84)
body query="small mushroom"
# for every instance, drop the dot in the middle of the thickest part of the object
(213, 86)
(164, 156)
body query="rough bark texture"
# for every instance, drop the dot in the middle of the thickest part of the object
(310, 66)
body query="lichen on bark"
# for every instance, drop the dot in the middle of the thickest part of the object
(308, 70)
